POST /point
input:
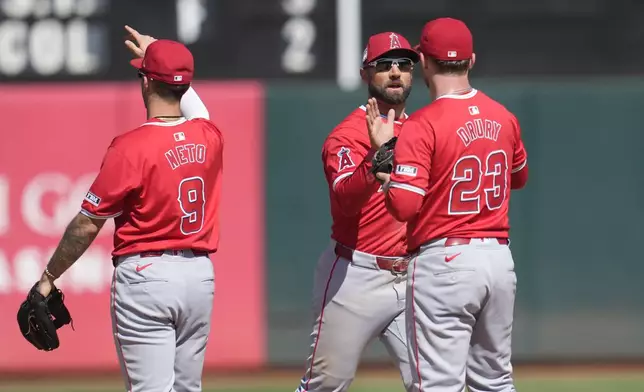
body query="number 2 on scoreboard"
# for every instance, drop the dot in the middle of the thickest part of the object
(192, 201)
(468, 176)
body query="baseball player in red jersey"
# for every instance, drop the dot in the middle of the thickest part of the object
(359, 284)
(455, 162)
(161, 184)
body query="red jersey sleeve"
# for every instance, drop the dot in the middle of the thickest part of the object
(520, 160)
(115, 180)
(347, 165)
(410, 177)
(520, 155)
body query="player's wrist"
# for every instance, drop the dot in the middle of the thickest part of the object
(45, 284)
(368, 165)
(382, 178)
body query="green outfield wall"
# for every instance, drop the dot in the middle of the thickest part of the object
(576, 228)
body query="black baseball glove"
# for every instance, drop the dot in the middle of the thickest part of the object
(39, 317)
(383, 159)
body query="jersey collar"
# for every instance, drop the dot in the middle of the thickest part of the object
(161, 123)
(459, 96)
(404, 116)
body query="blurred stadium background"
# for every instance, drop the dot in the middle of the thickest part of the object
(277, 75)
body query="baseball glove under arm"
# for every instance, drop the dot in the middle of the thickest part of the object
(39, 317)
(383, 159)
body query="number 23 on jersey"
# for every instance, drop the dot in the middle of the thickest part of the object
(469, 174)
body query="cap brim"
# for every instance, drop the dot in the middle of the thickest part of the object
(413, 54)
(137, 63)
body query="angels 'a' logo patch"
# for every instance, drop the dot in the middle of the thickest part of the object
(394, 41)
(345, 159)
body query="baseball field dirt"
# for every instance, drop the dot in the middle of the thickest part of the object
(529, 379)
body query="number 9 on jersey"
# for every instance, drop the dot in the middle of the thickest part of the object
(192, 201)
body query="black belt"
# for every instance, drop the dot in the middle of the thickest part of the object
(173, 252)
(159, 253)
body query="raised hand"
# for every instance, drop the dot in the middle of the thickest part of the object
(379, 131)
(140, 44)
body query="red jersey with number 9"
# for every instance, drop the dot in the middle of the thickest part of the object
(458, 154)
(161, 183)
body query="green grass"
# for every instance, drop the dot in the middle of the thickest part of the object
(585, 384)
(366, 383)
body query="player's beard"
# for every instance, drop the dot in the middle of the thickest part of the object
(381, 94)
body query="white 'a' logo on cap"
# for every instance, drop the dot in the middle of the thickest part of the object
(394, 41)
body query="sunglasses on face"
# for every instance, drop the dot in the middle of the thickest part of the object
(385, 64)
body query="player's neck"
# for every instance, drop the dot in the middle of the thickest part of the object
(385, 107)
(449, 84)
(162, 110)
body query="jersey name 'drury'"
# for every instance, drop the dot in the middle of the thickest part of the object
(479, 129)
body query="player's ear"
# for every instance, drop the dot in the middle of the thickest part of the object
(363, 75)
(146, 84)
(423, 60)
(472, 61)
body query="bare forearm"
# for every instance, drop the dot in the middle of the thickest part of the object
(78, 236)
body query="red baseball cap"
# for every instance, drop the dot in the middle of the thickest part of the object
(383, 43)
(167, 61)
(446, 39)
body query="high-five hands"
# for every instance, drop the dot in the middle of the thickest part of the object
(381, 135)
(379, 131)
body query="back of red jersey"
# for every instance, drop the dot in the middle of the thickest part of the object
(161, 183)
(459, 153)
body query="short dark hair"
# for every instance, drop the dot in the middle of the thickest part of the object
(170, 92)
(452, 67)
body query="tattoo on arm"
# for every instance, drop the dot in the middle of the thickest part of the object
(78, 236)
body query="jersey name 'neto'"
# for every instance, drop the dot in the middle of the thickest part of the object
(186, 153)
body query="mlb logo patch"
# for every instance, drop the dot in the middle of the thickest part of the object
(452, 53)
(405, 170)
(178, 78)
(92, 199)
(179, 137)
(474, 110)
